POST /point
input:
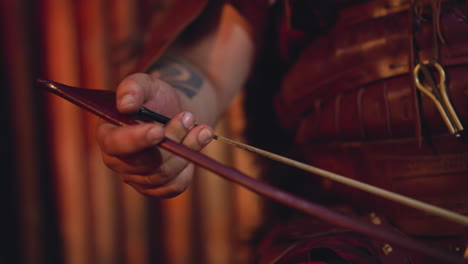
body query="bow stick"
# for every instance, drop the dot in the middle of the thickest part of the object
(146, 114)
(102, 103)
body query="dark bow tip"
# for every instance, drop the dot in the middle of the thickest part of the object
(46, 84)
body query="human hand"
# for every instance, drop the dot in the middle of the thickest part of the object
(131, 151)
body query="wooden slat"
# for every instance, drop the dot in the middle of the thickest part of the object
(135, 226)
(214, 204)
(124, 35)
(14, 29)
(177, 218)
(247, 205)
(93, 36)
(66, 131)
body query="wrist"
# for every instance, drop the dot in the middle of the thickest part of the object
(194, 90)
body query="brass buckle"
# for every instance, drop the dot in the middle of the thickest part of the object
(438, 94)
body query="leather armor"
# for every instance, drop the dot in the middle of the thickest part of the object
(351, 104)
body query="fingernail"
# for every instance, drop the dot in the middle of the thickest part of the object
(127, 100)
(205, 136)
(188, 120)
(154, 135)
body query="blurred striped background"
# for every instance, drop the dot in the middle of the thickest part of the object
(59, 203)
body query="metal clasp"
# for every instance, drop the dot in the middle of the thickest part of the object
(438, 94)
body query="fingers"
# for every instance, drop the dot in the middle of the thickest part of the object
(173, 188)
(175, 174)
(143, 168)
(133, 91)
(131, 153)
(177, 128)
(121, 141)
(143, 89)
(196, 139)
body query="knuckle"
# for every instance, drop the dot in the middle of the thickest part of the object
(106, 159)
(127, 85)
(134, 80)
(140, 83)
(110, 162)
(124, 178)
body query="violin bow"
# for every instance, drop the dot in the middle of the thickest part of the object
(102, 104)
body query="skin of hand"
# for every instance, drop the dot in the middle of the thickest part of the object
(131, 151)
(210, 71)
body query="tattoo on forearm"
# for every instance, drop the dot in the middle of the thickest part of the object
(179, 74)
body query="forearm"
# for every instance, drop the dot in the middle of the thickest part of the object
(209, 72)
(201, 77)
